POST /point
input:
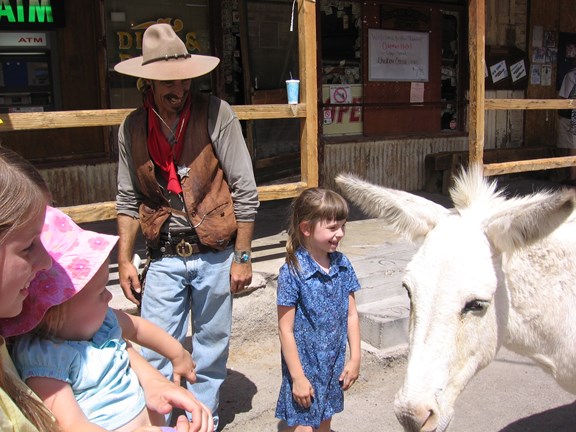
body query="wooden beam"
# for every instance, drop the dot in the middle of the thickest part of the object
(283, 191)
(476, 54)
(113, 117)
(91, 212)
(107, 210)
(528, 165)
(529, 104)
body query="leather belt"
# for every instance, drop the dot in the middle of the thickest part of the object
(178, 244)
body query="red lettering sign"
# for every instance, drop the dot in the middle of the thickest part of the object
(35, 40)
(346, 114)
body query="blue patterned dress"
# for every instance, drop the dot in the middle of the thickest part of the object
(321, 333)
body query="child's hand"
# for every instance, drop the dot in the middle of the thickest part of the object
(302, 392)
(183, 367)
(350, 374)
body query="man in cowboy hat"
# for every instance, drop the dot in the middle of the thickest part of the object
(185, 179)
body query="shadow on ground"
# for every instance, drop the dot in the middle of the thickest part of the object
(236, 396)
(560, 419)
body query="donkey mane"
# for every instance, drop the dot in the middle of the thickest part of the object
(472, 190)
(474, 196)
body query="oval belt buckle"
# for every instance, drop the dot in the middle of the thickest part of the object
(184, 249)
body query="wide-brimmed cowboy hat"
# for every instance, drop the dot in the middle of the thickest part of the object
(165, 57)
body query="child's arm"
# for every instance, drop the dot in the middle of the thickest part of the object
(302, 390)
(352, 368)
(59, 398)
(163, 395)
(151, 336)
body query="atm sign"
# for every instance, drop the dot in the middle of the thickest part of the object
(31, 14)
(23, 40)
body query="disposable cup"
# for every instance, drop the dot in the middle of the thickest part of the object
(292, 87)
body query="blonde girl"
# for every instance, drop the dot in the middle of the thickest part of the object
(23, 199)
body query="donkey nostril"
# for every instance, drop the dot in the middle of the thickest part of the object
(430, 423)
(417, 415)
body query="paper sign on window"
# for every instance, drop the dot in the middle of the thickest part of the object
(397, 55)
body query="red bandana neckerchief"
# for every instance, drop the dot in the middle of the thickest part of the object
(162, 153)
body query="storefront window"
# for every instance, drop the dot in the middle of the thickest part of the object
(391, 68)
(341, 47)
(126, 21)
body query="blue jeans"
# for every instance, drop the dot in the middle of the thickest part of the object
(200, 284)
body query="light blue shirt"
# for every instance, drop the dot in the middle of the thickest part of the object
(98, 371)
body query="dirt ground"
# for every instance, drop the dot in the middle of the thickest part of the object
(248, 397)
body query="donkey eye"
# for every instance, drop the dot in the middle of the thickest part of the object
(475, 306)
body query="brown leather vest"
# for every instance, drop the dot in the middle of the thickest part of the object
(207, 198)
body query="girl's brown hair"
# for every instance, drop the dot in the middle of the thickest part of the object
(23, 194)
(313, 205)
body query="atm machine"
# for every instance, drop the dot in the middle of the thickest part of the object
(28, 78)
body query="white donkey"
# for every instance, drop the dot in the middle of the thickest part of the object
(490, 272)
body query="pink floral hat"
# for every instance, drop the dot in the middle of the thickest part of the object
(77, 254)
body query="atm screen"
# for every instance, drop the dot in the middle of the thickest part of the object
(19, 73)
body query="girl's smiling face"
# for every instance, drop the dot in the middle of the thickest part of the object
(324, 237)
(22, 255)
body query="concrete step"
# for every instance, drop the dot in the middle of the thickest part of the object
(383, 305)
(384, 323)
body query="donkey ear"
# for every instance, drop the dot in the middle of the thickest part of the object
(407, 214)
(523, 221)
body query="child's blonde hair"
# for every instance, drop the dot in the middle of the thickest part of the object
(23, 194)
(313, 205)
(53, 321)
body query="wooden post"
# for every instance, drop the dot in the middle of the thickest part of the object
(308, 91)
(476, 51)
(246, 73)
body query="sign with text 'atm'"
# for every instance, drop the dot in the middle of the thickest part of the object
(31, 14)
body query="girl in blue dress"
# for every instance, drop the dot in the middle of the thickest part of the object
(316, 314)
